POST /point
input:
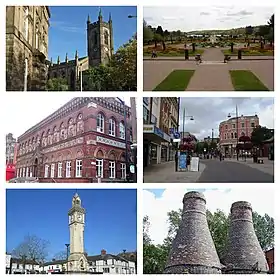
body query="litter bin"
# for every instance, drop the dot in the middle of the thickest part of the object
(186, 54)
(239, 55)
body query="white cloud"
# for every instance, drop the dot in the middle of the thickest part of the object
(209, 112)
(206, 18)
(156, 208)
(29, 109)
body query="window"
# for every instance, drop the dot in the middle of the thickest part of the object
(113, 261)
(23, 172)
(231, 135)
(122, 131)
(37, 40)
(17, 173)
(225, 136)
(25, 26)
(99, 168)
(112, 127)
(52, 170)
(117, 270)
(68, 169)
(146, 100)
(27, 171)
(153, 120)
(46, 171)
(106, 270)
(252, 124)
(112, 169)
(233, 125)
(145, 115)
(100, 123)
(123, 170)
(226, 126)
(20, 172)
(235, 134)
(242, 125)
(78, 168)
(59, 170)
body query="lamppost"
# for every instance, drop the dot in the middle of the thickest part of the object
(67, 255)
(237, 134)
(184, 117)
(125, 135)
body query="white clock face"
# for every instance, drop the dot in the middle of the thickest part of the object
(106, 49)
(80, 217)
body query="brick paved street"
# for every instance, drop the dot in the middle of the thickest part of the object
(165, 173)
(207, 76)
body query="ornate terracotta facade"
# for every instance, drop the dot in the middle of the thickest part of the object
(79, 142)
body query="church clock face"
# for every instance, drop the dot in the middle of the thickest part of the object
(80, 217)
(106, 49)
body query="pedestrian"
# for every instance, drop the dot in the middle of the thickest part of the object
(176, 161)
(221, 156)
(154, 54)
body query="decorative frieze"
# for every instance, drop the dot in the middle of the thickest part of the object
(68, 144)
(110, 142)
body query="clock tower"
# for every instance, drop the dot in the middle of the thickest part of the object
(100, 40)
(77, 260)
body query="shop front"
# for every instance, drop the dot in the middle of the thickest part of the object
(155, 145)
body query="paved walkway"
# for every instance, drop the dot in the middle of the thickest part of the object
(165, 173)
(211, 76)
(207, 76)
(266, 167)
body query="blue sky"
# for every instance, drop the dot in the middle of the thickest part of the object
(111, 222)
(67, 32)
(158, 192)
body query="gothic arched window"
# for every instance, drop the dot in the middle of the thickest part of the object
(112, 127)
(100, 122)
(95, 38)
(122, 130)
(106, 36)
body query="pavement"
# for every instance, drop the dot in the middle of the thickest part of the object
(213, 171)
(165, 173)
(233, 171)
(212, 76)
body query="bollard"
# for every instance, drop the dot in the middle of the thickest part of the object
(239, 54)
(186, 54)
(193, 250)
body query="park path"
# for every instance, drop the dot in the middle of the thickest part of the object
(211, 75)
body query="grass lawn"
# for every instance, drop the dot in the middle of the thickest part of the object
(171, 53)
(249, 53)
(177, 80)
(246, 80)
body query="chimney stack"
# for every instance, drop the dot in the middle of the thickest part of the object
(193, 250)
(244, 254)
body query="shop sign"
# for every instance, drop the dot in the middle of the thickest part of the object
(158, 132)
(148, 128)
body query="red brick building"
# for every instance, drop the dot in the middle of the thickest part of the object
(233, 128)
(270, 259)
(80, 142)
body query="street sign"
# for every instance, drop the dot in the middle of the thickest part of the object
(177, 135)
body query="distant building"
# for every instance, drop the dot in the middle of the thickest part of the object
(10, 148)
(21, 266)
(232, 129)
(270, 260)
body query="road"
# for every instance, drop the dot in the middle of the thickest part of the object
(232, 172)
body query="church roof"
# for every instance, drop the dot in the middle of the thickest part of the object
(73, 61)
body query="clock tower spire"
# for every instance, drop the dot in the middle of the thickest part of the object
(77, 260)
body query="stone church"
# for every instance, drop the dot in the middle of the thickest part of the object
(27, 33)
(100, 48)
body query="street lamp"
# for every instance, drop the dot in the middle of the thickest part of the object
(237, 134)
(125, 135)
(67, 254)
(184, 117)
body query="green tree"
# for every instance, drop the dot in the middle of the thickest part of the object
(157, 38)
(160, 31)
(120, 74)
(148, 33)
(264, 227)
(199, 147)
(57, 84)
(260, 134)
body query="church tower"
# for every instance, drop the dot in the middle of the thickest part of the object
(100, 40)
(77, 260)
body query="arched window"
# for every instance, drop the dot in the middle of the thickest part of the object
(25, 23)
(100, 123)
(106, 38)
(112, 127)
(122, 130)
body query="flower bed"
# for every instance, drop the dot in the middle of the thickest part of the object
(170, 51)
(251, 51)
